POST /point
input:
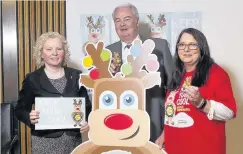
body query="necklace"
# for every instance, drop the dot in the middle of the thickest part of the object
(58, 74)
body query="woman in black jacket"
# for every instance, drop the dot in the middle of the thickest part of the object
(52, 79)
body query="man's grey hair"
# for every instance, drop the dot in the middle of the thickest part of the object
(129, 5)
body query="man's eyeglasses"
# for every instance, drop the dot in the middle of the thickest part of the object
(191, 46)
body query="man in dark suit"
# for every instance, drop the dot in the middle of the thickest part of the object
(126, 20)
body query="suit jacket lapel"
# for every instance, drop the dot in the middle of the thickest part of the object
(71, 81)
(142, 38)
(120, 49)
(45, 83)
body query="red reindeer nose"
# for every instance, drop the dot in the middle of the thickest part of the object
(94, 35)
(118, 121)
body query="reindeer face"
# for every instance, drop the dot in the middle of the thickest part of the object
(94, 34)
(156, 31)
(119, 113)
(95, 30)
(118, 117)
(156, 26)
(77, 109)
(77, 105)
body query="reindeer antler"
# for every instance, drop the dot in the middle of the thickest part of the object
(141, 56)
(80, 102)
(74, 101)
(100, 21)
(151, 18)
(99, 58)
(162, 20)
(90, 21)
(142, 53)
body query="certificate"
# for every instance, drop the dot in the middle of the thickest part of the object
(60, 112)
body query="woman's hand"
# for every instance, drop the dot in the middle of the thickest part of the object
(160, 141)
(34, 116)
(84, 127)
(193, 95)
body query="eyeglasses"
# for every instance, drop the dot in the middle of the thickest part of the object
(191, 46)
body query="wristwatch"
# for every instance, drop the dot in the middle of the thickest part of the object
(202, 104)
(211, 110)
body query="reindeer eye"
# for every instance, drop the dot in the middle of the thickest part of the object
(129, 100)
(108, 100)
(92, 30)
(97, 30)
(152, 29)
(158, 29)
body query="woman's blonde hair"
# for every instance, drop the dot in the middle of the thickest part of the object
(40, 43)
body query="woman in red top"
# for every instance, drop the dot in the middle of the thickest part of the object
(198, 102)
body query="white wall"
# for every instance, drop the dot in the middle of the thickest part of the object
(222, 23)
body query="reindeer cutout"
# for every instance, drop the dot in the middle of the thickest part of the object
(119, 123)
(156, 26)
(95, 29)
(77, 115)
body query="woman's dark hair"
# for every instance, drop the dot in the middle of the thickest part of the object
(203, 66)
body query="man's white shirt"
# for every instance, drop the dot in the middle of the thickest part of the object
(126, 51)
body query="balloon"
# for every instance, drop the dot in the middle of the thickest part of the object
(94, 74)
(126, 68)
(87, 62)
(135, 50)
(105, 55)
(152, 65)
